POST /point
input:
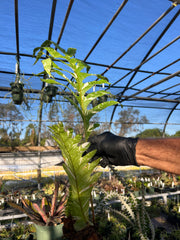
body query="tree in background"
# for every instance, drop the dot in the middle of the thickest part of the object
(30, 135)
(10, 130)
(129, 121)
(177, 134)
(154, 132)
(4, 137)
(71, 119)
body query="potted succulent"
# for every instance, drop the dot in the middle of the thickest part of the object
(80, 171)
(46, 216)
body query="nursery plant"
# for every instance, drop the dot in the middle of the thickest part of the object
(48, 215)
(49, 212)
(17, 90)
(133, 212)
(79, 92)
(17, 232)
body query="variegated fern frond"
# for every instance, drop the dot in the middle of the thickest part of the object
(79, 171)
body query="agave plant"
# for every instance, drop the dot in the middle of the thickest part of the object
(77, 165)
(49, 212)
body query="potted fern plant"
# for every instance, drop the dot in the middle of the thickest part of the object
(17, 92)
(49, 92)
(46, 216)
(81, 173)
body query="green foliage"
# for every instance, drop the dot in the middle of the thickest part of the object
(18, 232)
(79, 171)
(9, 134)
(177, 134)
(154, 132)
(80, 89)
(111, 229)
(30, 135)
(134, 213)
(135, 216)
(78, 167)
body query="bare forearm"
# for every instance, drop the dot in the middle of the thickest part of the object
(163, 154)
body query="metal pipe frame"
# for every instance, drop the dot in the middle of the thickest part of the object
(89, 63)
(152, 47)
(171, 112)
(155, 84)
(106, 28)
(157, 72)
(17, 35)
(148, 59)
(65, 20)
(137, 40)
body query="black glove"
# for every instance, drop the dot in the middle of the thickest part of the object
(113, 149)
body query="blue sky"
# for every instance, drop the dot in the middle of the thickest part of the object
(86, 22)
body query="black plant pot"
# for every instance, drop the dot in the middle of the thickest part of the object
(51, 90)
(17, 92)
(47, 98)
(102, 99)
(94, 103)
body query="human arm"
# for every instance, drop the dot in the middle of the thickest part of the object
(163, 154)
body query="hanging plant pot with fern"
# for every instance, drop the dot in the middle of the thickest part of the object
(49, 92)
(103, 99)
(17, 91)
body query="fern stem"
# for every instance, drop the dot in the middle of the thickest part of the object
(92, 209)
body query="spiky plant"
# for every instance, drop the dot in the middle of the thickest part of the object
(135, 212)
(136, 216)
(78, 167)
(49, 212)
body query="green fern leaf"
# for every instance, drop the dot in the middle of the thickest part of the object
(79, 171)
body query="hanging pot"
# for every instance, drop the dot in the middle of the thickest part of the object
(103, 99)
(51, 90)
(94, 103)
(49, 232)
(47, 98)
(17, 92)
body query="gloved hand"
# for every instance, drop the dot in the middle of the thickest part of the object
(113, 149)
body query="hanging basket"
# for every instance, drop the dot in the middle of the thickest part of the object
(17, 92)
(47, 98)
(49, 232)
(102, 99)
(51, 90)
(94, 103)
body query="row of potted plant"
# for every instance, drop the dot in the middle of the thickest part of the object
(17, 92)
(48, 92)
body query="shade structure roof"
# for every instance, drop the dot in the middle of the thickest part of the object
(134, 43)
